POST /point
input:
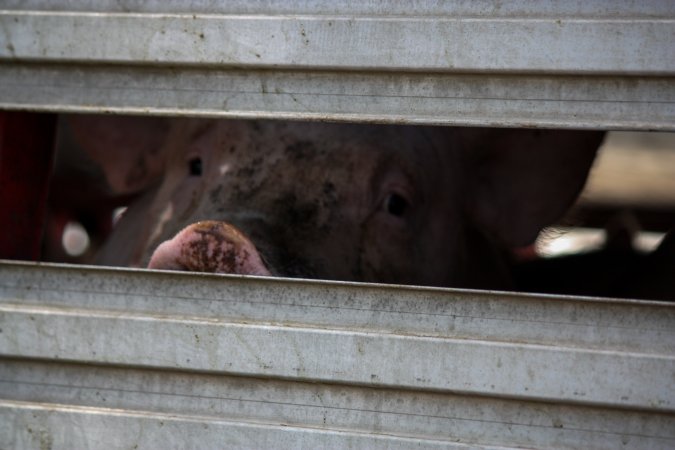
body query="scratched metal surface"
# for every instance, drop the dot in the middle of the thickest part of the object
(562, 64)
(473, 8)
(90, 352)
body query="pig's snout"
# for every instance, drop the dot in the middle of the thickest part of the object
(209, 246)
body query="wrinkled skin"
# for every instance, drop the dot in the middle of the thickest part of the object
(395, 204)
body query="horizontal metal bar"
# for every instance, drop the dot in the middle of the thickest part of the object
(478, 8)
(624, 326)
(646, 103)
(212, 345)
(446, 44)
(406, 414)
(62, 427)
(158, 335)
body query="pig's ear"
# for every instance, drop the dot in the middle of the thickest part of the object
(524, 180)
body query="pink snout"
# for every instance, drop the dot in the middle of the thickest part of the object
(209, 246)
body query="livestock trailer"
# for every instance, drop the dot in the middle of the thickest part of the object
(98, 357)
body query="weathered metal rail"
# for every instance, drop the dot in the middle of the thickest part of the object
(108, 357)
(604, 64)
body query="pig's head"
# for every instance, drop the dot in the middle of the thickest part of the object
(396, 204)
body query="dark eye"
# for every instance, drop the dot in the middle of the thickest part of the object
(195, 166)
(395, 204)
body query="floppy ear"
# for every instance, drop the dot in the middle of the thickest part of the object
(524, 180)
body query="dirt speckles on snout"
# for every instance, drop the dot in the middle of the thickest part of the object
(209, 246)
(210, 250)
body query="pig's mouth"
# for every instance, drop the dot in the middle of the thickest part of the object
(210, 246)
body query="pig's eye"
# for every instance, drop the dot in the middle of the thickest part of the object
(396, 204)
(195, 165)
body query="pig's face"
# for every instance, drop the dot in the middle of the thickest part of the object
(346, 202)
(340, 202)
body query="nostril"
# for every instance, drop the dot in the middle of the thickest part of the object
(195, 165)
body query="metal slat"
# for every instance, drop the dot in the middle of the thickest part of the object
(560, 65)
(508, 100)
(58, 427)
(475, 8)
(549, 45)
(629, 326)
(470, 367)
(237, 353)
(420, 415)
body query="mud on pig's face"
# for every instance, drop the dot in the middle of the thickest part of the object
(401, 204)
(348, 202)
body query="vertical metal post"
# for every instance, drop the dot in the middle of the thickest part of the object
(26, 155)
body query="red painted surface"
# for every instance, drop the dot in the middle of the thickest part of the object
(26, 154)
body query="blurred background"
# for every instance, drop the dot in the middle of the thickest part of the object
(629, 198)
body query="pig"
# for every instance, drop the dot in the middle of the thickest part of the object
(417, 205)
(102, 163)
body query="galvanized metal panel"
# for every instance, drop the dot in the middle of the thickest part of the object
(66, 393)
(464, 366)
(58, 427)
(629, 326)
(434, 63)
(470, 8)
(96, 351)
(485, 100)
(455, 44)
